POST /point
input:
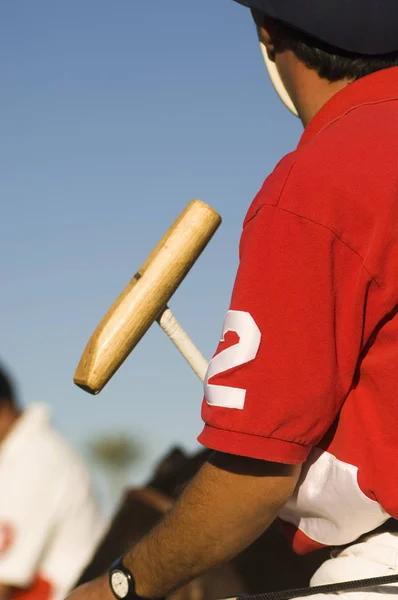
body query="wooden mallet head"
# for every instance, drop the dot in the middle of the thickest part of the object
(146, 296)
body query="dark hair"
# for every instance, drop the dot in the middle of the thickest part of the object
(7, 393)
(329, 62)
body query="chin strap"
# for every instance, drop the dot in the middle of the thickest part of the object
(277, 81)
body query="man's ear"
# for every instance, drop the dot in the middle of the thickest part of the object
(265, 38)
(263, 32)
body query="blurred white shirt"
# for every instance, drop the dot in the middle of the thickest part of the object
(49, 521)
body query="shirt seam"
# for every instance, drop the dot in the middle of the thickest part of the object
(316, 223)
(255, 435)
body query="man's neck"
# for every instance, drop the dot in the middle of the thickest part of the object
(8, 418)
(314, 94)
(308, 91)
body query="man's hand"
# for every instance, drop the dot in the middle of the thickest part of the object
(98, 589)
(5, 592)
(229, 504)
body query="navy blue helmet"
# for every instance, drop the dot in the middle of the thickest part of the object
(367, 27)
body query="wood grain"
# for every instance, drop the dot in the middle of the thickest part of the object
(146, 295)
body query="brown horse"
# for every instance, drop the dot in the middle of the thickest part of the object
(266, 565)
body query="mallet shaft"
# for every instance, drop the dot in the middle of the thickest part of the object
(183, 342)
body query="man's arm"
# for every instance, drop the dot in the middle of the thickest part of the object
(228, 505)
(5, 592)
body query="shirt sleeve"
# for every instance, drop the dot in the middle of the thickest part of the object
(290, 342)
(27, 505)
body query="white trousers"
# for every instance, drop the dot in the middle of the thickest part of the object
(375, 556)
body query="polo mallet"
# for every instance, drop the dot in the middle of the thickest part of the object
(145, 298)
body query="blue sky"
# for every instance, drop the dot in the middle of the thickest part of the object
(114, 115)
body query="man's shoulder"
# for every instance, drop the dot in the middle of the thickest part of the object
(51, 443)
(342, 179)
(58, 458)
(39, 451)
(272, 188)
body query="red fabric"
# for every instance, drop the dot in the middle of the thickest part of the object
(300, 543)
(319, 274)
(40, 589)
(6, 537)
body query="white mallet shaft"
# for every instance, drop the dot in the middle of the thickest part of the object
(183, 343)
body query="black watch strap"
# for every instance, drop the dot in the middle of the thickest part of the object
(122, 582)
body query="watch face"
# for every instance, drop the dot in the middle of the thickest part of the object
(120, 584)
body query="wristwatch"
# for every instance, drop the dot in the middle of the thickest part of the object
(122, 582)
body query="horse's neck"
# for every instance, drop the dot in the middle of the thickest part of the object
(175, 471)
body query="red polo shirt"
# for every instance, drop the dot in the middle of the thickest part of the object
(307, 368)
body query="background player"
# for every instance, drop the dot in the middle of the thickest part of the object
(49, 521)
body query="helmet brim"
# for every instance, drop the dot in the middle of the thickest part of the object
(365, 27)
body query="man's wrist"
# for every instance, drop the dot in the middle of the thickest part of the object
(122, 582)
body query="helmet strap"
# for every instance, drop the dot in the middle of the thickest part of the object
(277, 81)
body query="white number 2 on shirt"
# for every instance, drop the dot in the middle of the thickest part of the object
(243, 324)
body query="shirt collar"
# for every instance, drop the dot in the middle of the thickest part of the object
(377, 87)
